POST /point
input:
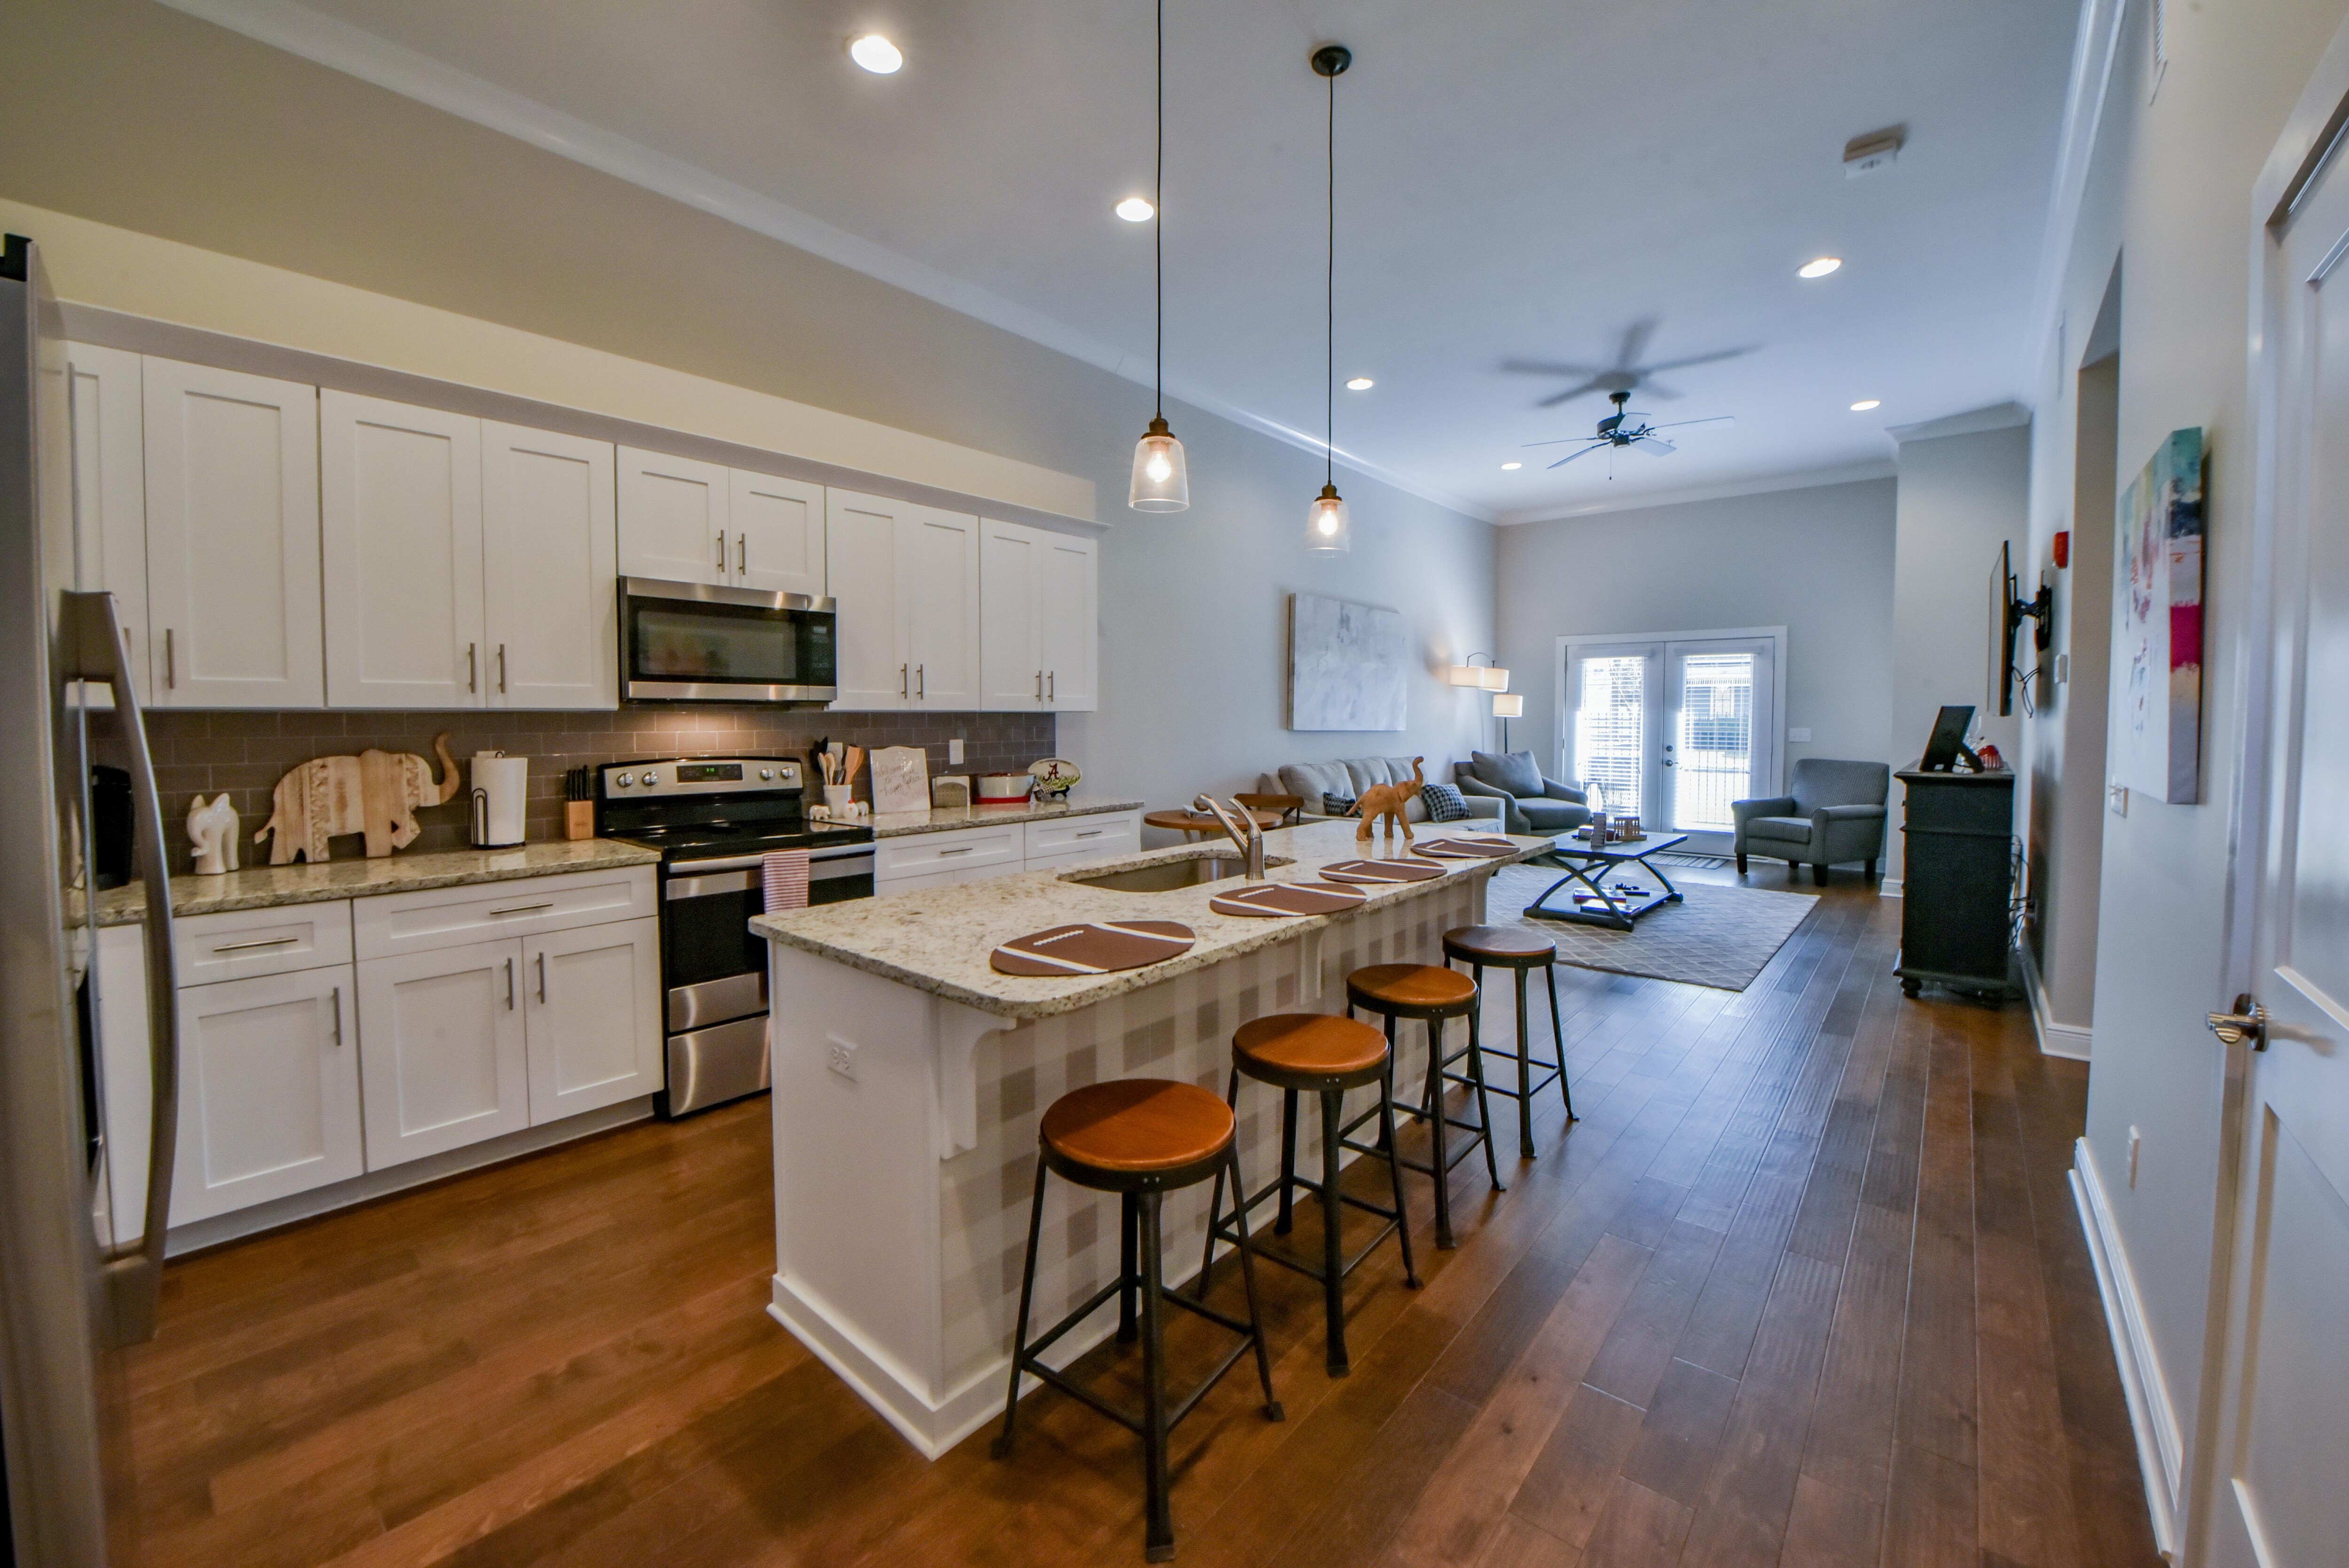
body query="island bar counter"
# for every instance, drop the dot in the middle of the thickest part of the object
(909, 1077)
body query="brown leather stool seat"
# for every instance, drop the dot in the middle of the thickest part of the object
(1141, 1139)
(1433, 993)
(1313, 1053)
(1522, 949)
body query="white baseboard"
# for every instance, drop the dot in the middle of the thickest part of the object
(2160, 1449)
(2070, 1041)
(1888, 887)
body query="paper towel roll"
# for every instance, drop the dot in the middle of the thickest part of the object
(501, 788)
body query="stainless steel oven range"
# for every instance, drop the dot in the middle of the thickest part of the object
(714, 819)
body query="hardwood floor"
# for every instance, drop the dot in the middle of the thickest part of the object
(1804, 1286)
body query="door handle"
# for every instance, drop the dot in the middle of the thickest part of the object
(509, 984)
(742, 555)
(542, 978)
(472, 673)
(2249, 1021)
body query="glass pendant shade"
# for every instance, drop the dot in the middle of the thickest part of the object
(1328, 525)
(1161, 481)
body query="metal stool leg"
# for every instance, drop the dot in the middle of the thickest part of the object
(1002, 1448)
(1129, 1214)
(1436, 1120)
(1524, 1075)
(1216, 1203)
(1483, 1103)
(1333, 1257)
(1394, 1171)
(1558, 1034)
(1272, 1410)
(1280, 1225)
(1159, 1540)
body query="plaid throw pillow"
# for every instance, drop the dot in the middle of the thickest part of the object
(1444, 802)
(1337, 805)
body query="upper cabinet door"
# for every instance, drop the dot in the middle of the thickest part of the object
(778, 534)
(1010, 663)
(1067, 596)
(232, 609)
(861, 567)
(401, 493)
(548, 549)
(674, 518)
(938, 554)
(110, 492)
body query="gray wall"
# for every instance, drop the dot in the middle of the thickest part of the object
(1817, 562)
(130, 114)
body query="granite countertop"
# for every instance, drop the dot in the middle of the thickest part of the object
(945, 819)
(266, 887)
(938, 940)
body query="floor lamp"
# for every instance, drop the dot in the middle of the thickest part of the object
(1504, 708)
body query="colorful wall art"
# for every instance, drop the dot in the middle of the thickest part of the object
(2157, 625)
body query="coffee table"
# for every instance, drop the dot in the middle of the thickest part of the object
(1590, 865)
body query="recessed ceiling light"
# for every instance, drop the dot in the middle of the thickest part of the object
(1361, 383)
(1136, 210)
(875, 54)
(1819, 268)
(1506, 467)
(1865, 404)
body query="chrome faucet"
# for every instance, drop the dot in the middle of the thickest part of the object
(1248, 839)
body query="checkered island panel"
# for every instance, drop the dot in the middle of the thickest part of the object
(1181, 1029)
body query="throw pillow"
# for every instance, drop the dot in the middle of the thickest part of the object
(1444, 802)
(1516, 773)
(1337, 805)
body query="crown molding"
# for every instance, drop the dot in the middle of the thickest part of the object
(1799, 479)
(1972, 422)
(2095, 48)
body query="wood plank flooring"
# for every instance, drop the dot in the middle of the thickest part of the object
(1804, 1286)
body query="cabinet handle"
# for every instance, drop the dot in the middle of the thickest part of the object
(964, 851)
(523, 908)
(502, 668)
(472, 673)
(921, 682)
(257, 942)
(1039, 685)
(742, 555)
(541, 979)
(1095, 833)
(721, 552)
(337, 994)
(171, 662)
(901, 680)
(1053, 695)
(509, 984)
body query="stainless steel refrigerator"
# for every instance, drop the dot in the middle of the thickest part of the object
(72, 1299)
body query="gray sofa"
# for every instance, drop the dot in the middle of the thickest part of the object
(1834, 816)
(1350, 777)
(1512, 779)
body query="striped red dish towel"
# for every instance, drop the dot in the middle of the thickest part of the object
(786, 875)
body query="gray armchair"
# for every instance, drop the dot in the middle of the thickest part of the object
(1834, 816)
(1534, 804)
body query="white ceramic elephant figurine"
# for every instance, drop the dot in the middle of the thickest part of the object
(375, 793)
(211, 827)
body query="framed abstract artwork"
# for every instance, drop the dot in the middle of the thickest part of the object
(1349, 665)
(2157, 625)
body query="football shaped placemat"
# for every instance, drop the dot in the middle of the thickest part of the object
(1477, 846)
(1093, 949)
(1382, 871)
(1270, 898)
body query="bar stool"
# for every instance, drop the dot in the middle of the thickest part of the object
(1141, 1139)
(1433, 993)
(1515, 947)
(1313, 1053)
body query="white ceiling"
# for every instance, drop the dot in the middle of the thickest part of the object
(1519, 180)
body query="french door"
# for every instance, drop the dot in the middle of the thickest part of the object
(1673, 728)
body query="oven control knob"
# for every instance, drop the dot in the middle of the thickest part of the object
(622, 779)
(766, 774)
(649, 779)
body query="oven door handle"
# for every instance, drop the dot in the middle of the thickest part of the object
(752, 863)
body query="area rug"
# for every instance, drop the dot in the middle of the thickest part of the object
(1717, 936)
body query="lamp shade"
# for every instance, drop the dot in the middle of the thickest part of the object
(1328, 527)
(1162, 480)
(1511, 706)
(1466, 676)
(1496, 678)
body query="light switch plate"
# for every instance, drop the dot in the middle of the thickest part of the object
(843, 1057)
(2117, 798)
(2063, 668)
(1798, 734)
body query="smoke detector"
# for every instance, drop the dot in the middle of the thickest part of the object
(1876, 150)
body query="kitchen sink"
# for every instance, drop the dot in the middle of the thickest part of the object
(1165, 876)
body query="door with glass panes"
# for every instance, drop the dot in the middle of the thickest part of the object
(1673, 728)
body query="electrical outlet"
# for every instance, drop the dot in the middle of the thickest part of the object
(2117, 798)
(2136, 1138)
(843, 1058)
(2063, 668)
(1798, 736)
(954, 749)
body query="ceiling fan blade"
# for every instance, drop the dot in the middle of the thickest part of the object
(1549, 368)
(1635, 341)
(1584, 453)
(1651, 443)
(1557, 441)
(1657, 389)
(1596, 383)
(1715, 419)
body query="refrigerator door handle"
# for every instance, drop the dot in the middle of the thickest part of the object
(134, 1275)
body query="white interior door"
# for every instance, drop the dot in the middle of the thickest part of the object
(548, 548)
(938, 583)
(1010, 658)
(1674, 728)
(400, 491)
(778, 533)
(2276, 1497)
(861, 567)
(674, 518)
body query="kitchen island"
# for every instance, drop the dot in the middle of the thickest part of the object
(909, 1077)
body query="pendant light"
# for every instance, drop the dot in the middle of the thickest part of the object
(1328, 526)
(1162, 480)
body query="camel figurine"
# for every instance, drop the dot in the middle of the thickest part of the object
(1388, 800)
(375, 793)
(211, 827)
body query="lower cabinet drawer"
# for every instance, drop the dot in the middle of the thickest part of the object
(457, 916)
(248, 941)
(967, 850)
(1110, 832)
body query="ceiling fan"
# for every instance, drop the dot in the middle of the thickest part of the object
(1625, 374)
(1625, 427)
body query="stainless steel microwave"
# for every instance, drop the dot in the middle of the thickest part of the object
(695, 642)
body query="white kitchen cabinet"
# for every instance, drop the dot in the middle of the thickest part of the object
(444, 1061)
(1068, 621)
(401, 503)
(269, 1090)
(110, 493)
(779, 533)
(1083, 838)
(592, 1016)
(937, 556)
(861, 558)
(232, 587)
(550, 609)
(1039, 612)
(675, 518)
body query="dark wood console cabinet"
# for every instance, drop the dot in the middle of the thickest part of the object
(1956, 921)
